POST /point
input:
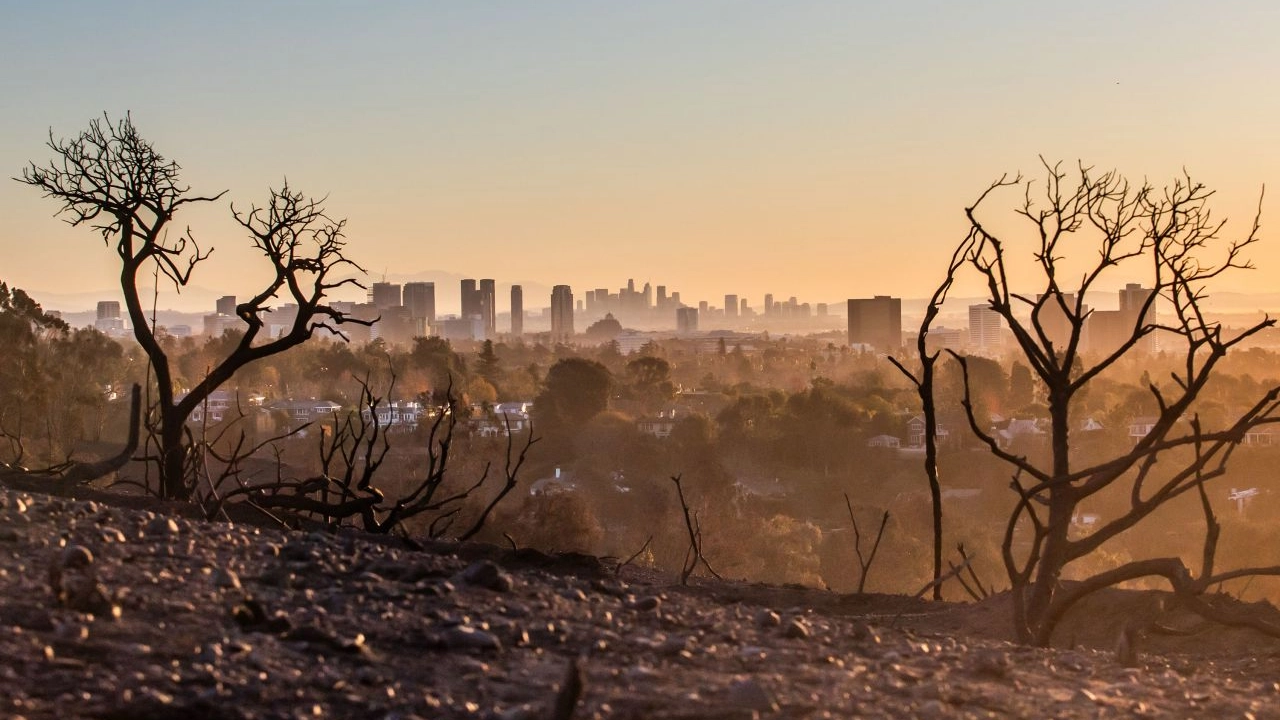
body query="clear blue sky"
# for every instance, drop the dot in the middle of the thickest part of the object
(818, 149)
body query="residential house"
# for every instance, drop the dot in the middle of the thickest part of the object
(915, 433)
(659, 426)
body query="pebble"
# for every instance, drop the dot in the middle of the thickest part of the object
(486, 574)
(226, 578)
(465, 637)
(646, 603)
(768, 618)
(161, 526)
(796, 629)
(750, 694)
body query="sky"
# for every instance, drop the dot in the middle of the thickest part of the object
(824, 150)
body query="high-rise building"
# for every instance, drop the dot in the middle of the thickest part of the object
(1056, 320)
(731, 306)
(385, 295)
(517, 310)
(561, 314)
(743, 309)
(1108, 330)
(686, 320)
(489, 307)
(420, 299)
(985, 327)
(470, 299)
(768, 304)
(876, 322)
(109, 320)
(227, 305)
(662, 297)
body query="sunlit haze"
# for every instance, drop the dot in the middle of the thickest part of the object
(812, 149)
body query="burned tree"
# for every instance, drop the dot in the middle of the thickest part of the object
(924, 384)
(114, 181)
(1167, 239)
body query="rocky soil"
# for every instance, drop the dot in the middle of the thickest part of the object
(108, 611)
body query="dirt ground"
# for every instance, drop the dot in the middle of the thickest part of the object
(117, 607)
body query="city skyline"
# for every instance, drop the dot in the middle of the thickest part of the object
(726, 148)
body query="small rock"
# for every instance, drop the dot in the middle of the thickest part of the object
(75, 557)
(750, 694)
(768, 618)
(161, 526)
(465, 637)
(646, 603)
(796, 629)
(225, 578)
(487, 575)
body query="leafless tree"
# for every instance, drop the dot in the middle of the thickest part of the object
(864, 563)
(924, 384)
(111, 179)
(351, 456)
(1167, 238)
(694, 556)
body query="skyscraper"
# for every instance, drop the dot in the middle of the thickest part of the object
(985, 325)
(561, 314)
(227, 305)
(731, 306)
(876, 322)
(420, 299)
(517, 310)
(470, 299)
(385, 295)
(108, 309)
(686, 320)
(489, 307)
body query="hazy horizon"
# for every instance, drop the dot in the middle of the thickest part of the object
(819, 150)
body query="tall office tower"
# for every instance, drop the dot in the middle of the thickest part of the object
(517, 310)
(743, 308)
(1055, 319)
(227, 305)
(1132, 298)
(602, 300)
(420, 299)
(470, 299)
(109, 319)
(1107, 330)
(822, 309)
(985, 326)
(561, 314)
(704, 308)
(731, 306)
(489, 307)
(647, 294)
(591, 301)
(675, 298)
(662, 296)
(686, 320)
(876, 322)
(768, 304)
(108, 309)
(385, 295)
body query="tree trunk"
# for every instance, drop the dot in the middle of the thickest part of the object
(173, 456)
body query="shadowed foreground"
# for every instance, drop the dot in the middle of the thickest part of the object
(167, 617)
